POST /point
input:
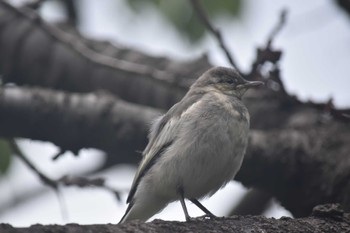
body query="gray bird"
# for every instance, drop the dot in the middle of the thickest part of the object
(195, 148)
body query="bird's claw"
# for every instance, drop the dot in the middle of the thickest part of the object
(203, 217)
(208, 216)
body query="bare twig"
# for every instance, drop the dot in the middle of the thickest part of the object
(45, 179)
(83, 182)
(278, 27)
(65, 180)
(58, 154)
(205, 20)
(268, 54)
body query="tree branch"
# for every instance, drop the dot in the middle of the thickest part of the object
(45, 179)
(301, 167)
(277, 29)
(82, 50)
(81, 182)
(75, 121)
(71, 65)
(326, 218)
(197, 7)
(268, 54)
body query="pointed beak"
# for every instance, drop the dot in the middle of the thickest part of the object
(249, 84)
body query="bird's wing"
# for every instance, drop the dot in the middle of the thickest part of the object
(160, 140)
(162, 135)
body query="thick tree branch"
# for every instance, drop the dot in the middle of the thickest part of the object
(82, 50)
(45, 60)
(326, 218)
(75, 121)
(300, 166)
(42, 54)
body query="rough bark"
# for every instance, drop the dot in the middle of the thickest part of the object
(304, 168)
(75, 121)
(36, 53)
(329, 218)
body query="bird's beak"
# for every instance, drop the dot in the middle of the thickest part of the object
(249, 84)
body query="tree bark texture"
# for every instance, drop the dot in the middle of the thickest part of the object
(75, 121)
(329, 218)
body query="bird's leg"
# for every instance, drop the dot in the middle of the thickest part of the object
(200, 206)
(183, 204)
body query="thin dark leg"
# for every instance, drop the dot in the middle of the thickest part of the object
(183, 204)
(200, 206)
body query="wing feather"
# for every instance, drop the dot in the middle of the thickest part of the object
(156, 147)
(162, 135)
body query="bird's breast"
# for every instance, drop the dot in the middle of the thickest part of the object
(234, 107)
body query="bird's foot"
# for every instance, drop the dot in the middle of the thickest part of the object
(207, 216)
(201, 218)
(190, 219)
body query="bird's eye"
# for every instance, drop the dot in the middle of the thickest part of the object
(230, 81)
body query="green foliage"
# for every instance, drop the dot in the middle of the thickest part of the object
(181, 15)
(5, 156)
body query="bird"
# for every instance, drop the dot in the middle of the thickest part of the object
(195, 148)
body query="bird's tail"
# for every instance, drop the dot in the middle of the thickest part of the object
(143, 209)
(124, 218)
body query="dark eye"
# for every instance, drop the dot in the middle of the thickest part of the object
(230, 81)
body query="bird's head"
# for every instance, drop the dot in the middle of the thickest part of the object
(226, 80)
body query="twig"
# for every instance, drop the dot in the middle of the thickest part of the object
(65, 180)
(83, 182)
(58, 154)
(278, 27)
(46, 180)
(267, 53)
(205, 20)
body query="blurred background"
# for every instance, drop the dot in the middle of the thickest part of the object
(315, 66)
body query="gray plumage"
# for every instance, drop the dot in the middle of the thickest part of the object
(195, 148)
